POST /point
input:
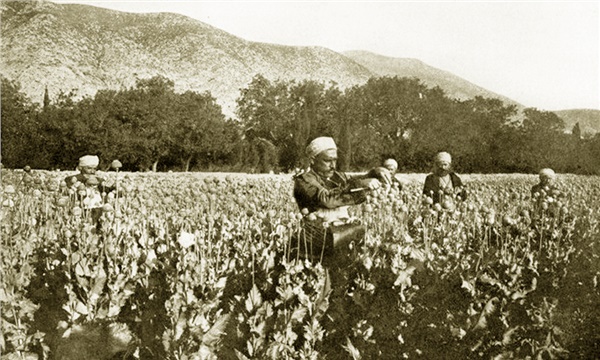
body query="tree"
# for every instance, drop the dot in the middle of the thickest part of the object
(145, 112)
(263, 109)
(18, 128)
(46, 98)
(576, 131)
(482, 122)
(199, 128)
(543, 134)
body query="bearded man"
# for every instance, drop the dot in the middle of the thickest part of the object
(324, 194)
(546, 184)
(443, 184)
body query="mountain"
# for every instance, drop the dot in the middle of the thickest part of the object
(588, 119)
(67, 47)
(452, 85)
(70, 46)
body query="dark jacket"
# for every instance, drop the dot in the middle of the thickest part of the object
(313, 192)
(70, 180)
(537, 188)
(432, 187)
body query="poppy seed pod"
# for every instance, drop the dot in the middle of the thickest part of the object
(116, 164)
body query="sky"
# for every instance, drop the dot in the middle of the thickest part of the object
(542, 54)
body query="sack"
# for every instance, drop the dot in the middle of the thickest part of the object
(316, 242)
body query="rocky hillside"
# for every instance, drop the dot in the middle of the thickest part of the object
(453, 85)
(588, 119)
(68, 46)
(81, 48)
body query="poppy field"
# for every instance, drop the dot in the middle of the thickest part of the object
(198, 266)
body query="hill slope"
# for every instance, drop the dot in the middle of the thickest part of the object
(79, 47)
(453, 85)
(69, 46)
(588, 119)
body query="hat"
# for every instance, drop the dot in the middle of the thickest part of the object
(89, 161)
(319, 145)
(390, 163)
(443, 156)
(547, 172)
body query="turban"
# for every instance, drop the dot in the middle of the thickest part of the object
(549, 173)
(390, 163)
(89, 161)
(443, 156)
(319, 145)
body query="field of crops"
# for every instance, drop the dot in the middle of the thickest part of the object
(196, 266)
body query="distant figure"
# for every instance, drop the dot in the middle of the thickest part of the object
(90, 187)
(27, 178)
(88, 165)
(546, 184)
(443, 184)
(392, 166)
(325, 194)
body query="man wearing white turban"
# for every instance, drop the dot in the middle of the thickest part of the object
(91, 195)
(325, 193)
(392, 166)
(443, 184)
(88, 165)
(546, 184)
(323, 187)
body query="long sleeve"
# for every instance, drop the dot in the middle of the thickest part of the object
(312, 192)
(430, 188)
(458, 186)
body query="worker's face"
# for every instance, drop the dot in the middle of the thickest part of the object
(324, 164)
(87, 170)
(442, 167)
(546, 179)
(391, 168)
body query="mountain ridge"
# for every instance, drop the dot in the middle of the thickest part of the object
(87, 48)
(43, 46)
(389, 66)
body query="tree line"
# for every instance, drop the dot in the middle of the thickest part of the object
(152, 127)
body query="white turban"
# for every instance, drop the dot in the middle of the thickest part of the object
(319, 145)
(390, 163)
(547, 172)
(89, 161)
(443, 156)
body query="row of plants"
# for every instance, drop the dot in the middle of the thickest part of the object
(190, 266)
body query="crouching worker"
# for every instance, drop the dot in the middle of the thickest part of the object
(90, 186)
(324, 194)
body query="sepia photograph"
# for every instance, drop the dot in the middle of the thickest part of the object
(204, 180)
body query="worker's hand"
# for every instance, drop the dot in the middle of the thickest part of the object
(372, 184)
(382, 174)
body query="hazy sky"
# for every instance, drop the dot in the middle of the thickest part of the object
(542, 54)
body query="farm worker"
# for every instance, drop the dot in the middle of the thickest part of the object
(546, 184)
(443, 185)
(27, 178)
(93, 185)
(88, 165)
(325, 194)
(546, 196)
(392, 166)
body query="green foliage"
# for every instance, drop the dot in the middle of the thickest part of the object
(18, 125)
(151, 126)
(196, 267)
